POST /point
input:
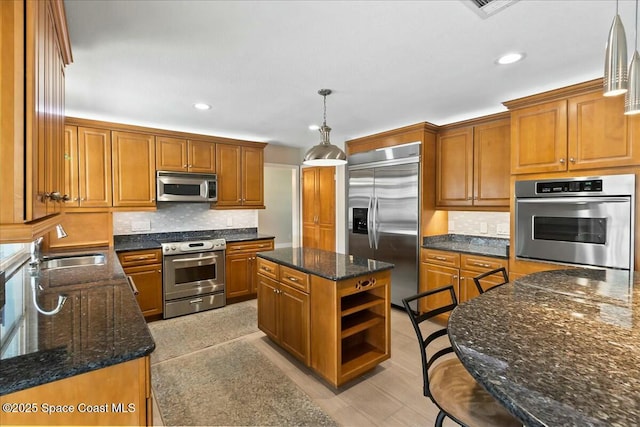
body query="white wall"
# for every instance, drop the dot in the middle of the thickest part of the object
(280, 218)
(474, 223)
(182, 217)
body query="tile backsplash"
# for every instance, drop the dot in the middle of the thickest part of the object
(476, 223)
(182, 217)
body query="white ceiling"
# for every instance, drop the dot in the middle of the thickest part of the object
(261, 63)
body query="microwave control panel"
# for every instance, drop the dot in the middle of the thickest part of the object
(593, 185)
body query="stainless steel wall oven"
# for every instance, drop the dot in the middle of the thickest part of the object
(586, 220)
(193, 277)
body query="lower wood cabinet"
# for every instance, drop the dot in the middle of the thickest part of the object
(440, 268)
(283, 313)
(115, 395)
(240, 268)
(144, 267)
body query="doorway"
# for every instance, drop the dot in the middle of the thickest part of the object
(282, 202)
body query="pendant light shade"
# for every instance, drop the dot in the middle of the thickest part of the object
(632, 97)
(615, 64)
(325, 153)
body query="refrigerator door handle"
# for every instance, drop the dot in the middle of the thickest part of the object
(374, 227)
(370, 221)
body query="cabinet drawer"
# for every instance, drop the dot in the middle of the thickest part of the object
(250, 246)
(142, 257)
(363, 283)
(267, 268)
(481, 263)
(294, 278)
(433, 256)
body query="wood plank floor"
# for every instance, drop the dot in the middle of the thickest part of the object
(390, 395)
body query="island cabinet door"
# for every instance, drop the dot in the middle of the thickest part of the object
(294, 317)
(268, 307)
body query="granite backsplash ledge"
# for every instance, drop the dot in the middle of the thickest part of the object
(476, 245)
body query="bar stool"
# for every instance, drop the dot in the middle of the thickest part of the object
(481, 290)
(445, 380)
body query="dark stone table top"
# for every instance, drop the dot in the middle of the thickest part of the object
(474, 245)
(330, 265)
(98, 325)
(134, 242)
(557, 348)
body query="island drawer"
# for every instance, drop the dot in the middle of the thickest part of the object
(481, 263)
(249, 246)
(445, 258)
(294, 278)
(140, 257)
(362, 283)
(268, 268)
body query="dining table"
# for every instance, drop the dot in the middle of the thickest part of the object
(558, 347)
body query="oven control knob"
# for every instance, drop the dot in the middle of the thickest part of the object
(173, 247)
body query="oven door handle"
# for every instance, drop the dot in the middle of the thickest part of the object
(571, 200)
(204, 258)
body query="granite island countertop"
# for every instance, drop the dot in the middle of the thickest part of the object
(98, 325)
(474, 245)
(132, 242)
(557, 347)
(330, 265)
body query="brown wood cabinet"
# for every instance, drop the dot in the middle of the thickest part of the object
(283, 308)
(123, 384)
(350, 319)
(133, 160)
(318, 208)
(240, 172)
(571, 129)
(35, 49)
(240, 268)
(87, 167)
(176, 154)
(440, 268)
(472, 166)
(144, 267)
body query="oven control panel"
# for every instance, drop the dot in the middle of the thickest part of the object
(193, 246)
(592, 185)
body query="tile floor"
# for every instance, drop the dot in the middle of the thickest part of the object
(390, 395)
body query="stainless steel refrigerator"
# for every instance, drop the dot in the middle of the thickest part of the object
(383, 212)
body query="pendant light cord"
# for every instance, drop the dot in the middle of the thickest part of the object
(324, 120)
(636, 40)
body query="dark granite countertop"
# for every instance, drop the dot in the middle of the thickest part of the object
(557, 347)
(134, 242)
(330, 265)
(474, 245)
(98, 325)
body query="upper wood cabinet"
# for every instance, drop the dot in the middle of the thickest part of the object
(133, 160)
(573, 128)
(472, 166)
(240, 171)
(175, 154)
(318, 208)
(87, 167)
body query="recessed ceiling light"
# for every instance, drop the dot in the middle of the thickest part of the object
(201, 106)
(510, 58)
(314, 127)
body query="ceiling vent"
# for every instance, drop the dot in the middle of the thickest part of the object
(486, 8)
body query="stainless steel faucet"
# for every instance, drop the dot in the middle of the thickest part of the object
(35, 252)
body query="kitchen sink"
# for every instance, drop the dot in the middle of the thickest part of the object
(49, 263)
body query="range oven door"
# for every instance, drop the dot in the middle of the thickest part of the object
(191, 274)
(594, 231)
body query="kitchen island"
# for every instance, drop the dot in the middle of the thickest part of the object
(73, 342)
(331, 311)
(557, 347)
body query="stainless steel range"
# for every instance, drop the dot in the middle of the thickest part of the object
(193, 276)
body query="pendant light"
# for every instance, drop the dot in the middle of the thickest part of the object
(632, 97)
(325, 153)
(615, 64)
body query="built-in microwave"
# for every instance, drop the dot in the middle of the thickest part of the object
(584, 220)
(186, 187)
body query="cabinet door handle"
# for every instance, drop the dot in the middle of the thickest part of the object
(479, 264)
(440, 258)
(265, 268)
(572, 160)
(159, 271)
(562, 160)
(293, 279)
(133, 285)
